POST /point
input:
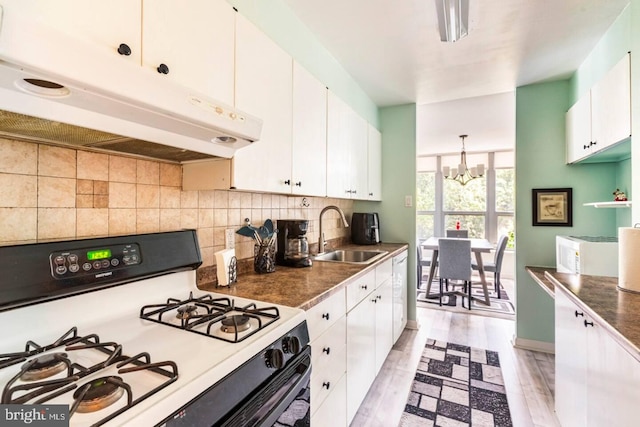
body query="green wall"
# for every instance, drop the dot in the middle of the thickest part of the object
(613, 45)
(276, 20)
(540, 163)
(540, 157)
(397, 222)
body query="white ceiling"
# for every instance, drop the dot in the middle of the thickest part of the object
(393, 50)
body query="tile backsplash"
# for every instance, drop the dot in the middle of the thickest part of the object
(57, 193)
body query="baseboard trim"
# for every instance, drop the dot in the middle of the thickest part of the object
(525, 344)
(413, 324)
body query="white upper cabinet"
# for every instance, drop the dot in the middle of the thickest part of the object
(264, 75)
(602, 117)
(611, 106)
(338, 180)
(359, 158)
(107, 24)
(374, 170)
(309, 148)
(347, 160)
(195, 44)
(578, 124)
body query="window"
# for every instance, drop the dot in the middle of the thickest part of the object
(467, 204)
(426, 204)
(505, 203)
(485, 206)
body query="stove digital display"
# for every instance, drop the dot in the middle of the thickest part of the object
(98, 254)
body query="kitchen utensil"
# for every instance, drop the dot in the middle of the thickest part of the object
(263, 232)
(248, 231)
(269, 224)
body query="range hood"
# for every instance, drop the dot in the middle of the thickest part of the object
(60, 89)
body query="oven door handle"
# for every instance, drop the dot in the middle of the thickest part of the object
(283, 401)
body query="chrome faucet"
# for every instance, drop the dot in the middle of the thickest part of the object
(321, 242)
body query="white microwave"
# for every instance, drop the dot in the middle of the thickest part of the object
(593, 256)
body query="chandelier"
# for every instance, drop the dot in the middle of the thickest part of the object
(462, 173)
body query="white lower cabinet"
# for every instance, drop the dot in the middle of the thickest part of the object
(361, 360)
(329, 364)
(333, 411)
(596, 378)
(327, 332)
(384, 322)
(351, 334)
(369, 333)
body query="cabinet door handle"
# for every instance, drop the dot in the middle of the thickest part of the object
(374, 300)
(124, 49)
(287, 182)
(325, 316)
(326, 385)
(593, 143)
(370, 194)
(587, 323)
(379, 296)
(364, 287)
(299, 184)
(579, 313)
(584, 147)
(163, 69)
(326, 350)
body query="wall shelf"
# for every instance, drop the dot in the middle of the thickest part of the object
(625, 204)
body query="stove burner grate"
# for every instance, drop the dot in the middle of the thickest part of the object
(31, 348)
(93, 395)
(217, 310)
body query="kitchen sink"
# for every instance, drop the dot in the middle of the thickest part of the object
(351, 256)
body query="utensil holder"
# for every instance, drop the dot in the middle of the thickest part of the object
(264, 257)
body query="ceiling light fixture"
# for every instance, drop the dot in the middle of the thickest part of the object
(453, 19)
(462, 173)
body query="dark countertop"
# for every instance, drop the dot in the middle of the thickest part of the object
(303, 287)
(615, 310)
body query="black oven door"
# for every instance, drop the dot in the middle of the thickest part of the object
(244, 399)
(281, 402)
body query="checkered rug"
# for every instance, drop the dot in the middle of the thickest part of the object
(456, 385)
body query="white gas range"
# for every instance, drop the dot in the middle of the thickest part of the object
(150, 351)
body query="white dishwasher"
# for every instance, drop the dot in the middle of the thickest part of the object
(399, 294)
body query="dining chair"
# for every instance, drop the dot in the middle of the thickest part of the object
(454, 263)
(457, 233)
(422, 263)
(496, 266)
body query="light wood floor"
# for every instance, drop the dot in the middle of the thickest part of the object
(528, 375)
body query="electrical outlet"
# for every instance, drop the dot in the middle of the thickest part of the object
(408, 201)
(229, 238)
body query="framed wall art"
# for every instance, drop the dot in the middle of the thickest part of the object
(552, 207)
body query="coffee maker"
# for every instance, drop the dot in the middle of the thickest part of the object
(293, 247)
(365, 228)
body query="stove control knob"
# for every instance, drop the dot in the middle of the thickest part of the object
(291, 345)
(274, 358)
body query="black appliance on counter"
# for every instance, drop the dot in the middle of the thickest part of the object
(124, 337)
(365, 228)
(293, 247)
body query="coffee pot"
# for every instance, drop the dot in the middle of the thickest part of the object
(293, 247)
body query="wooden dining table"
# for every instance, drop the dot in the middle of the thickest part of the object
(478, 246)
